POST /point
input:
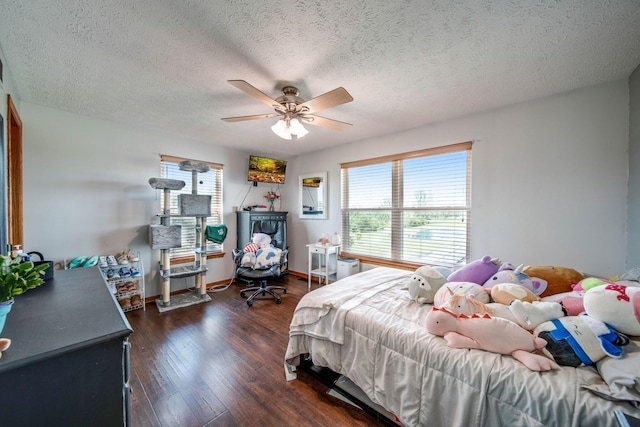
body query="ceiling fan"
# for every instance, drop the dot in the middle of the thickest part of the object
(293, 110)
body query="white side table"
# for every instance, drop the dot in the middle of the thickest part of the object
(327, 264)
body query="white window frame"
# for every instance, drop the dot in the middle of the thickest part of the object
(209, 183)
(394, 213)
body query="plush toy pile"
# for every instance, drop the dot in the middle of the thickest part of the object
(531, 312)
(260, 253)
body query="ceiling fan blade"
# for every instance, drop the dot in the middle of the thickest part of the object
(336, 97)
(252, 91)
(326, 123)
(254, 117)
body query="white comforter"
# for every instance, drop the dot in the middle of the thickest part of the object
(366, 328)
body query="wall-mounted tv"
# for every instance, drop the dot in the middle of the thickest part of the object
(267, 170)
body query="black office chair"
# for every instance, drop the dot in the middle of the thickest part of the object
(257, 278)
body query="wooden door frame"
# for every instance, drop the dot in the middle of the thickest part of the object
(15, 234)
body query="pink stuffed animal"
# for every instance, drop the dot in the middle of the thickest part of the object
(526, 314)
(490, 334)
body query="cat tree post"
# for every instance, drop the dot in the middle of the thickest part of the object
(200, 206)
(165, 236)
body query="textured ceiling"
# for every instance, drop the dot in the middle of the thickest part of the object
(164, 64)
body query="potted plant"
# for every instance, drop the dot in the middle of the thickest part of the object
(16, 277)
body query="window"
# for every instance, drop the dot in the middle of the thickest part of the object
(209, 183)
(412, 207)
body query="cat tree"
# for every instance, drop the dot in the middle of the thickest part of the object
(165, 236)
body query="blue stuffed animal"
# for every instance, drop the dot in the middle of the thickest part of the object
(579, 340)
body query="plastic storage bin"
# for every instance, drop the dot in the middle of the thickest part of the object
(347, 267)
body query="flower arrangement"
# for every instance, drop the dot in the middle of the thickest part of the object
(271, 197)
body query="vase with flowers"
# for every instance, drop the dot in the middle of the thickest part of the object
(16, 277)
(271, 197)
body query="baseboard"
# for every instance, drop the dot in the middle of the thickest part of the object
(151, 298)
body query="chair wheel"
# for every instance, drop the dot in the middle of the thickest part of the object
(278, 301)
(249, 303)
(284, 291)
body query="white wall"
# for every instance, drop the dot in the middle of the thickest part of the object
(633, 235)
(549, 179)
(86, 188)
(549, 182)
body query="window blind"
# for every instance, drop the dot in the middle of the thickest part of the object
(208, 183)
(413, 207)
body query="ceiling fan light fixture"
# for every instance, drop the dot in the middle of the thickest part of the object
(297, 129)
(281, 129)
(293, 110)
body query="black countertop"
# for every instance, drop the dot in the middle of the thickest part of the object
(73, 310)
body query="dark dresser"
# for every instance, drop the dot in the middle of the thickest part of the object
(68, 363)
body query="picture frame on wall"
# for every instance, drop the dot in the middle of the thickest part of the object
(313, 196)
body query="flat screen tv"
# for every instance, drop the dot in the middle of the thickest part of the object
(267, 170)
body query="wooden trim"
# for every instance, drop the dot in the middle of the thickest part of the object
(15, 234)
(175, 159)
(297, 274)
(410, 155)
(381, 262)
(191, 258)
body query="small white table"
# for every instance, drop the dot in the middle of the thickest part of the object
(325, 267)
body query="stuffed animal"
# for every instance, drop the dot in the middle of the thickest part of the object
(470, 305)
(616, 305)
(506, 293)
(535, 285)
(572, 302)
(261, 239)
(530, 314)
(250, 247)
(424, 283)
(579, 340)
(477, 271)
(526, 314)
(254, 252)
(4, 345)
(248, 259)
(588, 283)
(489, 334)
(460, 288)
(267, 256)
(559, 279)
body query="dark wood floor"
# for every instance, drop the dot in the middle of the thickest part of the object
(221, 364)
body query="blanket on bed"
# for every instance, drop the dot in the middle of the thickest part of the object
(320, 314)
(367, 328)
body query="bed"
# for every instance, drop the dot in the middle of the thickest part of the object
(367, 328)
